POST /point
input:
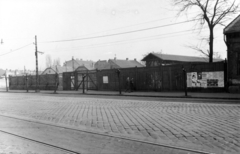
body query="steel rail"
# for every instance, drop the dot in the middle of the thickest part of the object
(42, 143)
(109, 135)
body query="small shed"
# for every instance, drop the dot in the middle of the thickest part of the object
(159, 59)
(232, 40)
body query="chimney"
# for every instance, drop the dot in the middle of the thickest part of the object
(115, 58)
(126, 58)
(135, 59)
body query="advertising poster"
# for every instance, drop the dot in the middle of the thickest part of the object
(205, 79)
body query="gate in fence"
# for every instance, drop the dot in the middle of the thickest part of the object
(80, 79)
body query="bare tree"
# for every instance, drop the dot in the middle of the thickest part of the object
(48, 61)
(211, 12)
(57, 62)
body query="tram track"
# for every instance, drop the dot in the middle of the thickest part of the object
(187, 150)
(42, 143)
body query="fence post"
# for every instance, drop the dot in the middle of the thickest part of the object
(6, 82)
(136, 78)
(184, 78)
(56, 83)
(225, 75)
(119, 84)
(87, 79)
(27, 82)
(83, 83)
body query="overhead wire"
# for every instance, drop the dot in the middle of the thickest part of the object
(146, 22)
(15, 49)
(133, 40)
(115, 34)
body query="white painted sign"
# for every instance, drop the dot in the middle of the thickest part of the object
(105, 79)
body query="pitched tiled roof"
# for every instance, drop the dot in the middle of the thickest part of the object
(59, 69)
(179, 58)
(76, 63)
(101, 65)
(87, 67)
(234, 26)
(126, 63)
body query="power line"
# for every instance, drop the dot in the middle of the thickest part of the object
(134, 25)
(134, 40)
(127, 32)
(15, 49)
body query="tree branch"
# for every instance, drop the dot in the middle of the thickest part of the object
(214, 12)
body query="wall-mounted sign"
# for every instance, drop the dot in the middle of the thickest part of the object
(205, 79)
(105, 79)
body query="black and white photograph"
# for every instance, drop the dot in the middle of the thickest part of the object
(119, 76)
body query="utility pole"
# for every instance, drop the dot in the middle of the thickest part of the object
(36, 54)
(73, 63)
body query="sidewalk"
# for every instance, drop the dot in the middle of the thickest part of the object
(230, 96)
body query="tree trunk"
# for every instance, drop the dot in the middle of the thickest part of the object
(211, 45)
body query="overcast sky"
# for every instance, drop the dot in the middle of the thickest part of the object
(68, 21)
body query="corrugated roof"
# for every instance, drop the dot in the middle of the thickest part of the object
(234, 26)
(180, 58)
(126, 63)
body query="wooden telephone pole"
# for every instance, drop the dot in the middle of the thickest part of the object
(36, 54)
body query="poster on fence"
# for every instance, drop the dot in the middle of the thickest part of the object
(205, 79)
(105, 79)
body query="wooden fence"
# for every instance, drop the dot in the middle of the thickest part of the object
(46, 82)
(161, 78)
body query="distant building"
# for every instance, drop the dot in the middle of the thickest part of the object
(84, 68)
(117, 63)
(157, 59)
(102, 65)
(20, 72)
(57, 69)
(75, 63)
(232, 39)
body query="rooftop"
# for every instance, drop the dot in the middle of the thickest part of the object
(180, 58)
(234, 26)
(126, 63)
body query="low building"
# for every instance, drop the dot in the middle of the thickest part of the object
(75, 63)
(157, 59)
(232, 39)
(102, 65)
(117, 63)
(57, 69)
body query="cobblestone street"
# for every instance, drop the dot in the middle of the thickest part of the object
(204, 126)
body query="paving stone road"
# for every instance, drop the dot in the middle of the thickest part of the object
(203, 126)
